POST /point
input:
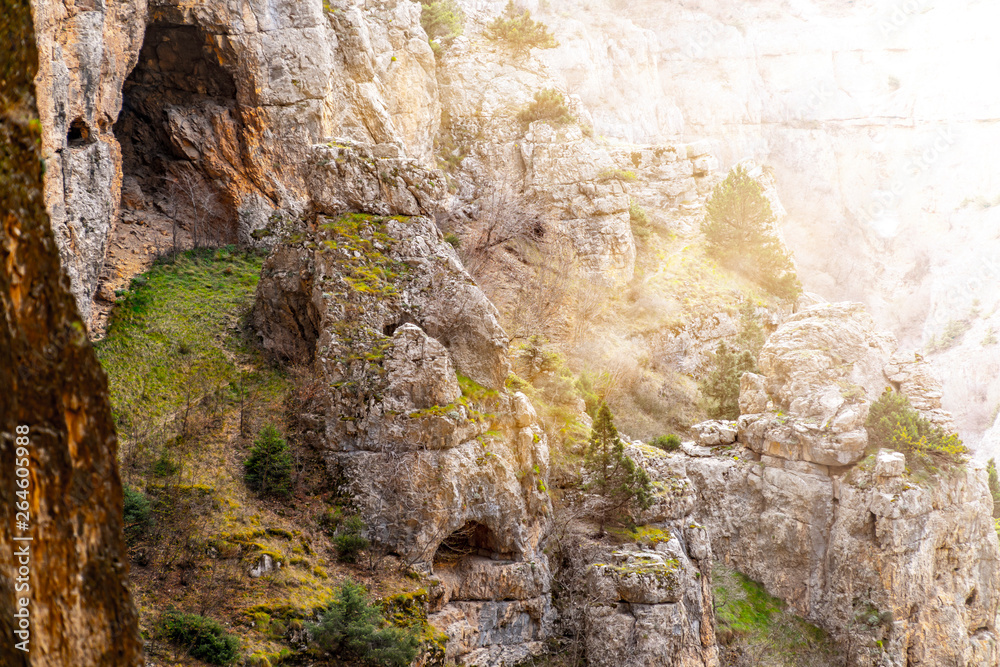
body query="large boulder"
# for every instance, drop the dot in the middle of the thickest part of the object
(821, 370)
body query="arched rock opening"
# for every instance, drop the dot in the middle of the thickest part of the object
(470, 541)
(179, 130)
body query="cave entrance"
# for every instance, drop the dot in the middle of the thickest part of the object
(471, 540)
(179, 132)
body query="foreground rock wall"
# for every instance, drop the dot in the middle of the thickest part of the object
(79, 611)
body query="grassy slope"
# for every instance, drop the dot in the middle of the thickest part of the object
(757, 629)
(177, 358)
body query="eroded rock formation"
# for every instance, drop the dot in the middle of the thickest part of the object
(839, 540)
(447, 467)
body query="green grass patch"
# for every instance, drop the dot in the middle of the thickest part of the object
(750, 621)
(174, 335)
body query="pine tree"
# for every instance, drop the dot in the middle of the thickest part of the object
(739, 229)
(350, 628)
(624, 486)
(519, 31)
(994, 480)
(268, 471)
(721, 388)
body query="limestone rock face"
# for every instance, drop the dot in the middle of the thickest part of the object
(833, 546)
(447, 467)
(86, 51)
(822, 368)
(645, 610)
(226, 99)
(573, 176)
(344, 175)
(792, 507)
(911, 375)
(51, 384)
(648, 602)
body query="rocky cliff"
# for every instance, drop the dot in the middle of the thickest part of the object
(62, 586)
(447, 467)
(903, 569)
(332, 134)
(876, 129)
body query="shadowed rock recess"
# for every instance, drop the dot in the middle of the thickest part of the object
(50, 380)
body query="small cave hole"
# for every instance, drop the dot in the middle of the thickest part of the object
(390, 328)
(971, 600)
(471, 540)
(79, 134)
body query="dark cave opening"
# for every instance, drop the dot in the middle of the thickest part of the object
(471, 540)
(79, 134)
(178, 131)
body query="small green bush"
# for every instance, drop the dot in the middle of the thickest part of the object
(137, 513)
(203, 638)
(549, 105)
(668, 443)
(441, 20)
(637, 214)
(617, 174)
(453, 240)
(349, 540)
(516, 29)
(351, 627)
(268, 471)
(894, 424)
(164, 466)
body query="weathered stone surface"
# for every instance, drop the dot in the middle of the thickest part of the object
(447, 468)
(79, 610)
(715, 433)
(821, 368)
(86, 51)
(890, 464)
(651, 606)
(753, 394)
(910, 374)
(636, 577)
(828, 544)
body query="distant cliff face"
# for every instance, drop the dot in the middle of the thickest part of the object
(901, 569)
(79, 611)
(877, 128)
